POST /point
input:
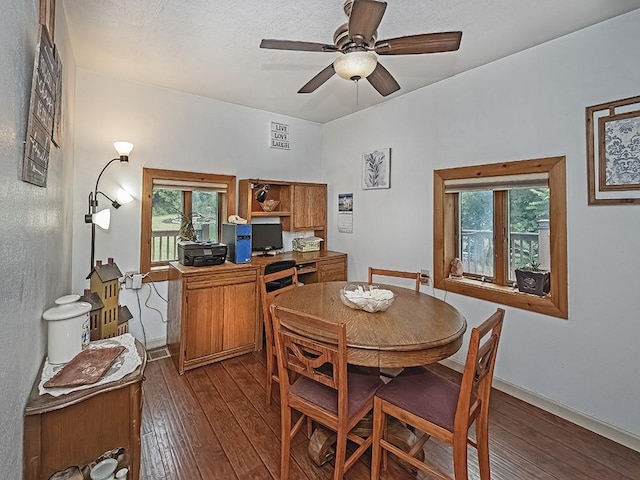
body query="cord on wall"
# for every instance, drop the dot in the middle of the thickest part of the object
(146, 304)
(144, 334)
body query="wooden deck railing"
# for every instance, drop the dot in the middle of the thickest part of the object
(524, 250)
(164, 245)
(477, 251)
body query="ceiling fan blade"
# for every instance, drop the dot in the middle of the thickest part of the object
(318, 80)
(416, 44)
(383, 81)
(365, 17)
(297, 46)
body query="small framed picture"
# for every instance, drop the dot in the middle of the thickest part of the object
(613, 152)
(376, 167)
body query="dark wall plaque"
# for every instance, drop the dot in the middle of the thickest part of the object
(42, 110)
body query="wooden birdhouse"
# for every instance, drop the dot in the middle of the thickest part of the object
(124, 315)
(104, 280)
(95, 314)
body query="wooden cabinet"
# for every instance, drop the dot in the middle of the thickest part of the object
(309, 207)
(333, 269)
(75, 429)
(212, 313)
(302, 207)
(313, 267)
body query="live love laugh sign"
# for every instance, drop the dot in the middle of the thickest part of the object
(280, 136)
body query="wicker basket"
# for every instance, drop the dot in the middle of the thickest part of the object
(307, 244)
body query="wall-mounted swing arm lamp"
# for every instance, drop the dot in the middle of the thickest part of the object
(261, 193)
(103, 217)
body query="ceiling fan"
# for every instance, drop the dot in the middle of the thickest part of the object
(357, 44)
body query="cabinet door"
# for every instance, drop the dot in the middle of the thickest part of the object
(309, 207)
(205, 321)
(240, 315)
(333, 270)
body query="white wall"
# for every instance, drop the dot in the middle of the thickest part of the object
(35, 232)
(170, 130)
(526, 106)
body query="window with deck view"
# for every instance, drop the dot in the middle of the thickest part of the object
(527, 230)
(497, 218)
(180, 205)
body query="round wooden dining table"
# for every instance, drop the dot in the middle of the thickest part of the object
(417, 329)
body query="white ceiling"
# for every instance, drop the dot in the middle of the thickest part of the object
(211, 47)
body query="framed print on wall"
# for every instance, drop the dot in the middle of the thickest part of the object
(376, 166)
(613, 152)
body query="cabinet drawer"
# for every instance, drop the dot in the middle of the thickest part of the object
(227, 278)
(333, 270)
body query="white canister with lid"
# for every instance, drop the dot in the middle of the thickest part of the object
(68, 323)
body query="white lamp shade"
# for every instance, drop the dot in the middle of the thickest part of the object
(355, 65)
(123, 148)
(102, 218)
(123, 196)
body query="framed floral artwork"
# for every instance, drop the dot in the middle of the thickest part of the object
(613, 152)
(376, 166)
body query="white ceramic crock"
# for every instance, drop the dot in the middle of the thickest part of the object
(67, 322)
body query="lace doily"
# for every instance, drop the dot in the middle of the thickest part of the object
(126, 363)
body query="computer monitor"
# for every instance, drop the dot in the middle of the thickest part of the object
(266, 237)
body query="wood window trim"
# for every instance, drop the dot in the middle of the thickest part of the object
(444, 232)
(158, 274)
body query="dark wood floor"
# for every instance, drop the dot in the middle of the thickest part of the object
(212, 423)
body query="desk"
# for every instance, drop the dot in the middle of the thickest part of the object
(213, 311)
(77, 428)
(417, 329)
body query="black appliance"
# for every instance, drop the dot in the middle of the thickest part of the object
(200, 254)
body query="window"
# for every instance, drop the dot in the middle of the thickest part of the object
(173, 203)
(499, 217)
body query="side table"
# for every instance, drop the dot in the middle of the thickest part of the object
(77, 428)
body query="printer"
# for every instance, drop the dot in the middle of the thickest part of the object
(200, 254)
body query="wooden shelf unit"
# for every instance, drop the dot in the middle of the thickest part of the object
(249, 207)
(302, 207)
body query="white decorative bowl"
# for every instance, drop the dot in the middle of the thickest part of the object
(369, 298)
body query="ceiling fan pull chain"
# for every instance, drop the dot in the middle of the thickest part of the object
(357, 94)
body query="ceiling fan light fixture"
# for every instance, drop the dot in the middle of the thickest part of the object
(355, 65)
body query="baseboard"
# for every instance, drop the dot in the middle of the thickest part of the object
(156, 342)
(590, 423)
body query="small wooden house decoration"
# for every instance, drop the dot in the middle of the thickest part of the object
(95, 314)
(104, 280)
(124, 315)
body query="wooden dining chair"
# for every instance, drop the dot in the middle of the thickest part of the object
(323, 389)
(395, 273)
(289, 279)
(442, 409)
